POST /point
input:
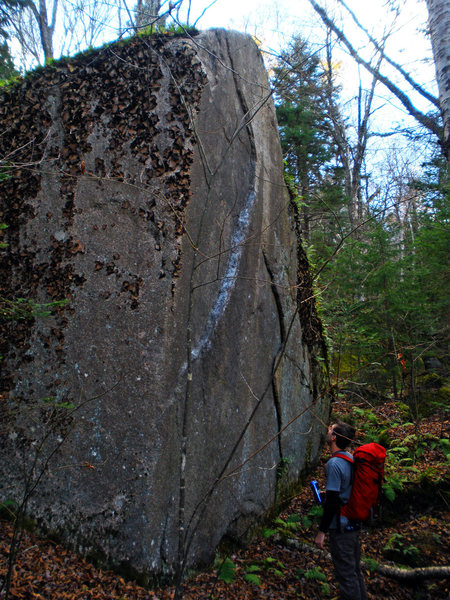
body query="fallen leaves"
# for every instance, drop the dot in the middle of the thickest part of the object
(267, 569)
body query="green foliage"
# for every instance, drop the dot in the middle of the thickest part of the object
(5, 168)
(173, 29)
(268, 532)
(274, 566)
(62, 405)
(412, 447)
(368, 416)
(7, 69)
(383, 295)
(226, 570)
(394, 483)
(252, 578)
(398, 548)
(325, 589)
(178, 29)
(300, 87)
(372, 564)
(403, 453)
(312, 517)
(383, 438)
(294, 518)
(7, 8)
(283, 527)
(315, 574)
(24, 309)
(2, 227)
(252, 573)
(445, 446)
(8, 508)
(278, 573)
(252, 569)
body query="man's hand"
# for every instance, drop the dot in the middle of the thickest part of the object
(320, 540)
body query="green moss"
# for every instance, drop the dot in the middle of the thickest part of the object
(443, 394)
(10, 82)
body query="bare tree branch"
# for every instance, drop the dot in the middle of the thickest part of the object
(427, 121)
(394, 64)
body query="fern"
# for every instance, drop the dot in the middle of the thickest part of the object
(267, 533)
(295, 518)
(389, 492)
(277, 573)
(372, 564)
(253, 569)
(313, 516)
(252, 578)
(325, 588)
(445, 446)
(315, 574)
(227, 571)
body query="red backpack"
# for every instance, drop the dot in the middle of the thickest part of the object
(368, 474)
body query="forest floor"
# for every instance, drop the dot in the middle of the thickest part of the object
(414, 527)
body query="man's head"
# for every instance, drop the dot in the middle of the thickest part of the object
(342, 434)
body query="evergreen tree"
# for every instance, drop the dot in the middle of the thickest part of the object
(305, 132)
(7, 68)
(385, 299)
(381, 287)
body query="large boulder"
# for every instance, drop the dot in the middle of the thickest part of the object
(179, 393)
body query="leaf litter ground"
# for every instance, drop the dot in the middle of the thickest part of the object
(268, 568)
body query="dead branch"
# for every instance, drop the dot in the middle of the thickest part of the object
(418, 574)
(401, 573)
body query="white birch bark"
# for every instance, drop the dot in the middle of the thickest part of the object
(439, 21)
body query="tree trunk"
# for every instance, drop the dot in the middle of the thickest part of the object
(418, 574)
(46, 29)
(439, 21)
(147, 13)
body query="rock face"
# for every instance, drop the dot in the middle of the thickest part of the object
(144, 184)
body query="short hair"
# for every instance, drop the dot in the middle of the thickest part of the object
(345, 434)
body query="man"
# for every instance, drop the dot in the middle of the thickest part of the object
(345, 546)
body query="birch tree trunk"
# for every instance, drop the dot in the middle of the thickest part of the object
(46, 29)
(439, 21)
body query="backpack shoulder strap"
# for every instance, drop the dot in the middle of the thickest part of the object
(344, 456)
(350, 460)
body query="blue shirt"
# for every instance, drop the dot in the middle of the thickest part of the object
(338, 472)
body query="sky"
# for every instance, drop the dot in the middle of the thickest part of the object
(273, 22)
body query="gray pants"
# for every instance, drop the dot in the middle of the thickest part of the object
(345, 551)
